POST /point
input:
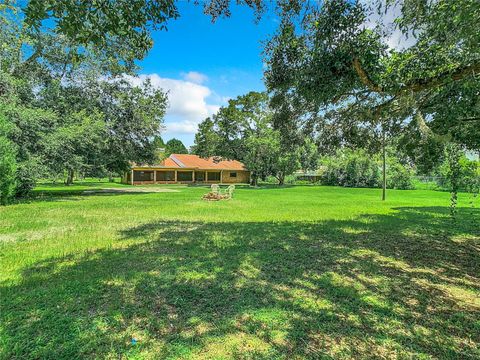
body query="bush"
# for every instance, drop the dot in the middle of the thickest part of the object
(351, 169)
(357, 168)
(27, 174)
(290, 180)
(270, 180)
(399, 176)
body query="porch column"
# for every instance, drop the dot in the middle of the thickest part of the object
(131, 177)
(221, 176)
(175, 175)
(193, 176)
(154, 176)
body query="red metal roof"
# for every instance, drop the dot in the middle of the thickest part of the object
(169, 163)
(196, 162)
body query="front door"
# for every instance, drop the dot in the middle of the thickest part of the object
(200, 176)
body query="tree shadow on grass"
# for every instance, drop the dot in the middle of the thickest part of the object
(381, 286)
(77, 195)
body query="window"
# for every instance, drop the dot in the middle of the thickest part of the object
(213, 176)
(233, 174)
(143, 176)
(165, 175)
(185, 175)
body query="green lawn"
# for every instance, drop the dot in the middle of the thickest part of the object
(276, 273)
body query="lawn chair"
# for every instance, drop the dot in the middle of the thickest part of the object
(215, 189)
(229, 191)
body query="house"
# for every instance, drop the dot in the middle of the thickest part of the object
(186, 168)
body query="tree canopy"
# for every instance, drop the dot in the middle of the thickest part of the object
(334, 66)
(175, 146)
(67, 114)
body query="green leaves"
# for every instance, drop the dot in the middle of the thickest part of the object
(103, 24)
(333, 65)
(8, 163)
(175, 146)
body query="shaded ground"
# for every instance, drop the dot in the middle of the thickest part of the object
(404, 284)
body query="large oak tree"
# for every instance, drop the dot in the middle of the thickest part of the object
(334, 66)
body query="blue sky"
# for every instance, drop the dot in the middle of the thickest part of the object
(203, 64)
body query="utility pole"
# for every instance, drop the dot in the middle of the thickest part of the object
(384, 165)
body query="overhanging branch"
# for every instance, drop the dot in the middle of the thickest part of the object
(421, 84)
(364, 78)
(444, 78)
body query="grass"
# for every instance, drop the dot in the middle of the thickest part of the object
(276, 273)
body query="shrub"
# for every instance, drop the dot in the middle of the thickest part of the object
(27, 174)
(399, 176)
(350, 168)
(357, 168)
(290, 180)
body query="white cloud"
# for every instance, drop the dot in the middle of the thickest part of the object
(385, 19)
(195, 77)
(182, 127)
(188, 104)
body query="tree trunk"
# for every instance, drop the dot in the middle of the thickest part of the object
(384, 167)
(110, 177)
(254, 181)
(281, 179)
(70, 174)
(453, 157)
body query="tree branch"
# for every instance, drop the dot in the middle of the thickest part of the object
(35, 55)
(364, 77)
(422, 125)
(444, 78)
(470, 119)
(421, 84)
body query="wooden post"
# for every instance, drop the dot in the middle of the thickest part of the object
(193, 175)
(154, 176)
(131, 177)
(175, 176)
(221, 176)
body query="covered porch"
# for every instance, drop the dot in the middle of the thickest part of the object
(173, 176)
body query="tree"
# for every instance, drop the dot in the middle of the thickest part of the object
(158, 142)
(286, 163)
(329, 66)
(241, 131)
(47, 99)
(76, 145)
(245, 116)
(133, 116)
(175, 146)
(206, 139)
(308, 155)
(261, 153)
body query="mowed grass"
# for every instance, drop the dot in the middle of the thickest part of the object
(276, 273)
